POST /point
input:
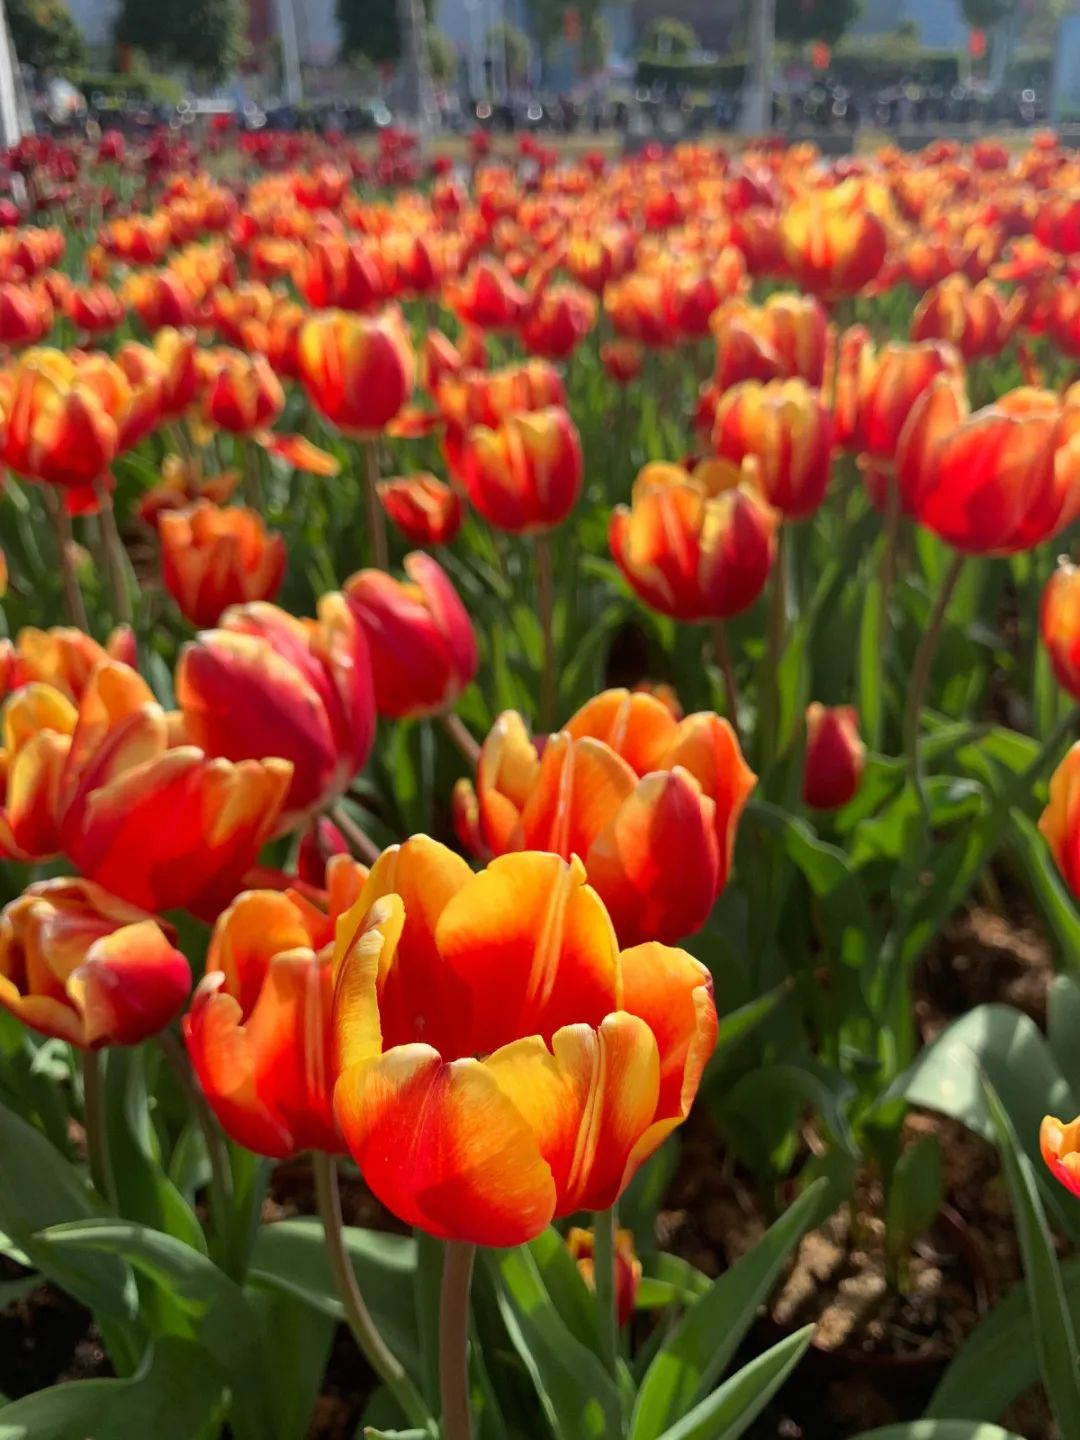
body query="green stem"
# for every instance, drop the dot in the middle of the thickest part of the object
(371, 1344)
(361, 842)
(466, 744)
(61, 521)
(454, 1396)
(604, 1226)
(769, 717)
(546, 609)
(221, 1186)
(115, 559)
(920, 678)
(722, 652)
(885, 588)
(97, 1139)
(376, 518)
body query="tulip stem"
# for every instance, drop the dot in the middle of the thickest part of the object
(221, 1186)
(61, 522)
(722, 652)
(115, 562)
(362, 843)
(920, 677)
(546, 609)
(604, 1227)
(885, 588)
(768, 716)
(457, 732)
(454, 1341)
(376, 518)
(97, 1139)
(371, 1344)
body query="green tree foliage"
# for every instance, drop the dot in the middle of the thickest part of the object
(369, 28)
(44, 34)
(442, 57)
(984, 14)
(203, 35)
(802, 20)
(516, 46)
(669, 39)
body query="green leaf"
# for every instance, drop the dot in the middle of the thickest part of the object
(576, 1393)
(869, 663)
(695, 1354)
(563, 1281)
(998, 1361)
(1047, 887)
(296, 1344)
(1052, 1327)
(916, 1189)
(176, 1394)
(940, 1430)
(729, 1411)
(1063, 1026)
(292, 1256)
(207, 1304)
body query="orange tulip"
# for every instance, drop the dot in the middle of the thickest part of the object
(357, 370)
(174, 359)
(182, 483)
(976, 319)
(1059, 622)
(111, 784)
(1060, 821)
(590, 1057)
(160, 299)
(81, 965)
(259, 1028)
(623, 360)
(423, 650)
(581, 1244)
(426, 510)
(213, 557)
(835, 756)
(876, 389)
(335, 273)
(439, 356)
(267, 683)
(785, 426)
(649, 802)
(997, 482)
(525, 475)
(26, 314)
(61, 657)
(697, 544)
(1060, 1145)
(556, 321)
(831, 242)
(94, 309)
(635, 305)
(487, 297)
(242, 394)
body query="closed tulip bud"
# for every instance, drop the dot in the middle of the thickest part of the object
(423, 651)
(623, 360)
(616, 787)
(635, 305)
(589, 1061)
(26, 314)
(426, 510)
(835, 756)
(267, 683)
(557, 320)
(786, 428)
(525, 475)
(1059, 622)
(1060, 1145)
(81, 965)
(160, 298)
(339, 274)
(1060, 821)
(977, 320)
(357, 370)
(487, 297)
(439, 357)
(831, 242)
(319, 843)
(259, 1027)
(242, 394)
(877, 389)
(212, 558)
(175, 359)
(798, 330)
(581, 1244)
(94, 309)
(698, 544)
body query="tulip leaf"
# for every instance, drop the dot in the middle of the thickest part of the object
(206, 1306)
(696, 1353)
(291, 1255)
(176, 1394)
(563, 1281)
(577, 1394)
(296, 1345)
(1063, 1027)
(1047, 887)
(730, 1410)
(1051, 1320)
(940, 1430)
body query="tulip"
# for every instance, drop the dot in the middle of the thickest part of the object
(357, 370)
(636, 307)
(242, 394)
(319, 843)
(698, 544)
(160, 299)
(61, 657)
(423, 651)
(1060, 1145)
(623, 360)
(590, 1057)
(581, 1245)
(1060, 821)
(835, 756)
(111, 784)
(94, 309)
(439, 356)
(487, 297)
(175, 357)
(212, 558)
(26, 314)
(557, 320)
(650, 803)
(877, 389)
(525, 475)
(1059, 622)
(339, 274)
(267, 683)
(424, 509)
(258, 1030)
(832, 243)
(785, 426)
(182, 484)
(81, 965)
(976, 319)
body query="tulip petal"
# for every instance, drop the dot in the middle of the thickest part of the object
(637, 726)
(131, 984)
(579, 786)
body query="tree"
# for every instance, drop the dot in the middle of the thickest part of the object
(515, 45)
(669, 39)
(442, 57)
(44, 34)
(803, 20)
(204, 35)
(984, 14)
(370, 28)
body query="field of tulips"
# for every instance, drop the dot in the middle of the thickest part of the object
(540, 839)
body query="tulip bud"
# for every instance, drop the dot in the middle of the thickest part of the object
(426, 510)
(423, 651)
(357, 370)
(487, 297)
(623, 360)
(785, 426)
(525, 475)
(581, 1244)
(557, 320)
(1060, 1146)
(1059, 622)
(212, 558)
(242, 395)
(835, 756)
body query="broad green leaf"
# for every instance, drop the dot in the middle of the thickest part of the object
(940, 1430)
(1052, 1327)
(176, 1394)
(563, 1281)
(729, 1411)
(211, 1308)
(696, 1353)
(998, 1362)
(292, 1255)
(1063, 1027)
(296, 1344)
(576, 1393)
(915, 1192)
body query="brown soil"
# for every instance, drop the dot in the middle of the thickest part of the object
(46, 1338)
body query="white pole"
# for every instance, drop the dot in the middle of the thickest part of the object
(290, 53)
(756, 116)
(11, 126)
